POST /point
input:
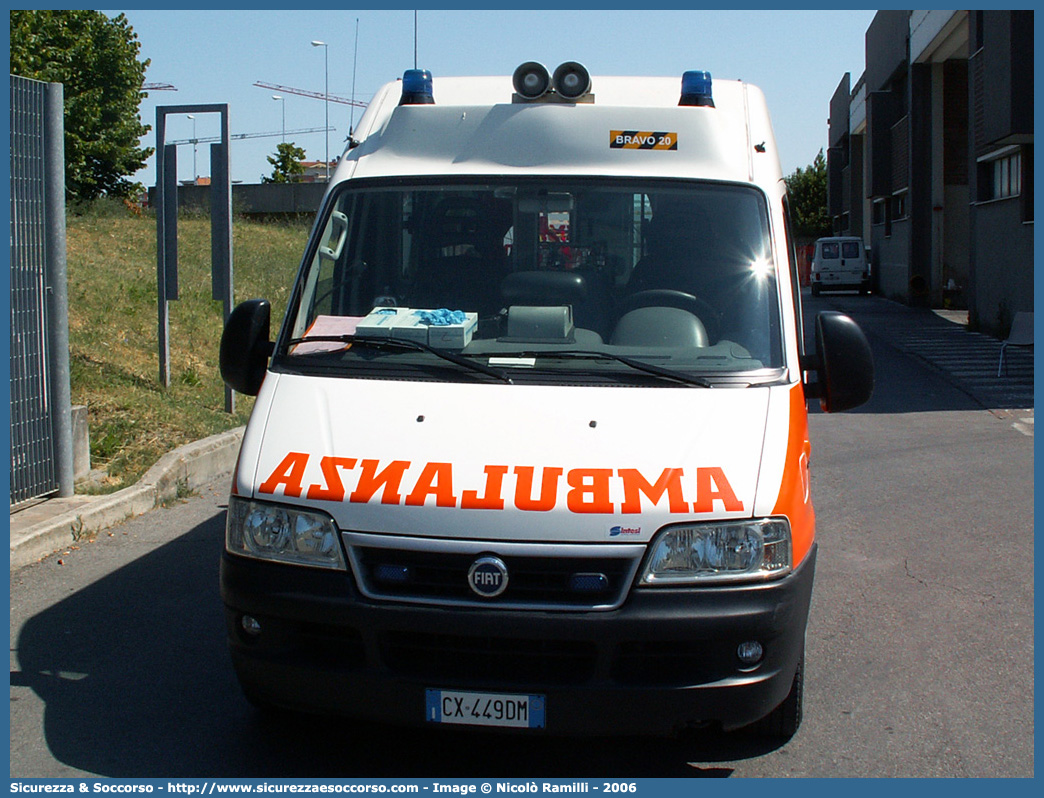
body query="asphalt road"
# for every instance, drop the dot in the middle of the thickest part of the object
(919, 657)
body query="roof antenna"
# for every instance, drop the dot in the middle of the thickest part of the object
(355, 61)
(414, 39)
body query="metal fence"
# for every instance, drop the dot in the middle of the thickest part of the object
(38, 413)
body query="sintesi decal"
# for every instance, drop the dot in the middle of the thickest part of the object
(642, 140)
(534, 489)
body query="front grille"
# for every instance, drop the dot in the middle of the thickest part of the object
(456, 659)
(505, 661)
(540, 576)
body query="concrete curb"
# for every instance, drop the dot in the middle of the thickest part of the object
(186, 468)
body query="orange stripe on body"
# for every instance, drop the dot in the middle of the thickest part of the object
(795, 500)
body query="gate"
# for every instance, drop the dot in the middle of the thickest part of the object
(39, 368)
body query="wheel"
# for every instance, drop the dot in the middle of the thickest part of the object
(665, 297)
(815, 289)
(784, 720)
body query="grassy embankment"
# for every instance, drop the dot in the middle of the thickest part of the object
(114, 361)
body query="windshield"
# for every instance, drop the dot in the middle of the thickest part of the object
(565, 279)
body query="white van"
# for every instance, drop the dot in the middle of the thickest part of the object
(840, 263)
(530, 450)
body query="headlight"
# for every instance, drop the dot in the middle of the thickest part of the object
(728, 551)
(284, 534)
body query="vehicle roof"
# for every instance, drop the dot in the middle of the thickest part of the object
(474, 128)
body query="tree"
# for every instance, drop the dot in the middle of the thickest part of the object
(96, 59)
(807, 189)
(287, 163)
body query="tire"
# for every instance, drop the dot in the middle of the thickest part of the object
(783, 722)
(815, 289)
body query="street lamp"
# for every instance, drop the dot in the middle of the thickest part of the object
(195, 174)
(326, 99)
(283, 101)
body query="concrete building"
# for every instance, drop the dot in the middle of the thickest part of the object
(930, 160)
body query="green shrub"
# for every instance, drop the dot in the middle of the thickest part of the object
(114, 360)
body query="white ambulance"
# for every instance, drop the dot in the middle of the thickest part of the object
(531, 450)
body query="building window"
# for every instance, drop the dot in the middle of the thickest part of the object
(899, 206)
(1000, 174)
(880, 211)
(884, 213)
(1006, 176)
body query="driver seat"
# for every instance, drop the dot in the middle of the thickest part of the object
(679, 254)
(678, 250)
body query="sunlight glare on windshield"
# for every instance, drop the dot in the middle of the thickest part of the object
(761, 268)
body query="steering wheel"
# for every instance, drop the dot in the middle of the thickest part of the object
(669, 298)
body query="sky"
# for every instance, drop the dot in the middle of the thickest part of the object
(797, 58)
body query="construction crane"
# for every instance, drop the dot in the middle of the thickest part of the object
(158, 87)
(210, 139)
(317, 95)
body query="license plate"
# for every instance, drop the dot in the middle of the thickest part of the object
(485, 709)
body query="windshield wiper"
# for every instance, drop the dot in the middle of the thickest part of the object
(637, 365)
(406, 344)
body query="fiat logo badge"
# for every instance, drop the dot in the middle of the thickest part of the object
(488, 576)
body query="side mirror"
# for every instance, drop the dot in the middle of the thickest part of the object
(844, 363)
(245, 346)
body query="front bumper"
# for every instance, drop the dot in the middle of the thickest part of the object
(663, 662)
